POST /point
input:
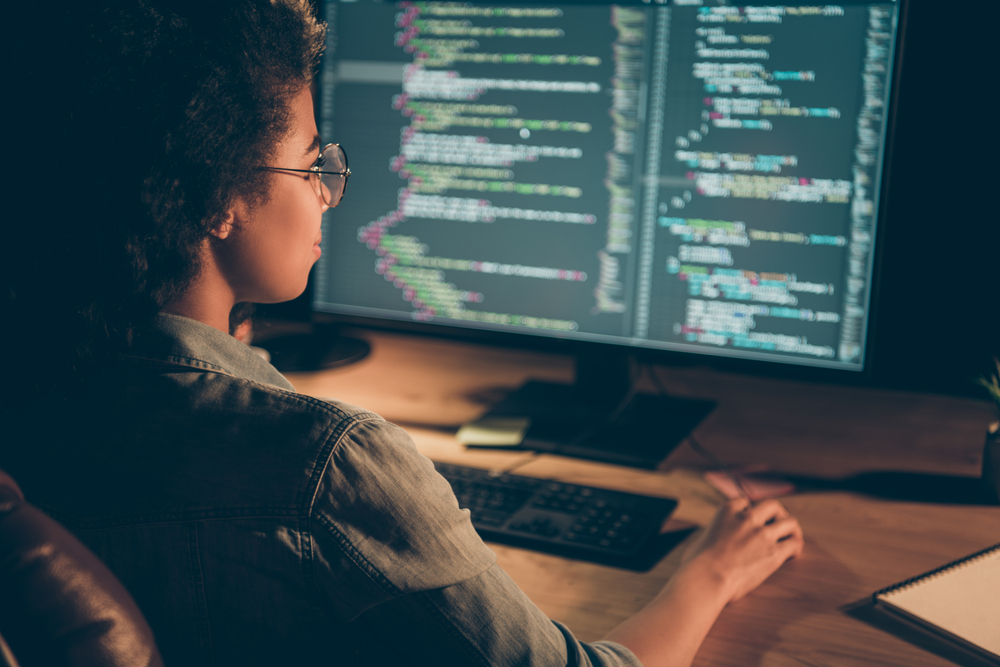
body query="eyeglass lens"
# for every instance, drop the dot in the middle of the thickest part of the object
(333, 185)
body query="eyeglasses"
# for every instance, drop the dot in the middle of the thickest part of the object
(330, 183)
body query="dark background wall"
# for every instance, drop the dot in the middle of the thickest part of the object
(937, 310)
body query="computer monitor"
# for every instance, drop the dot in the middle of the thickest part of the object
(681, 176)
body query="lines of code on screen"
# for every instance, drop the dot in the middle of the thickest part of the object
(689, 178)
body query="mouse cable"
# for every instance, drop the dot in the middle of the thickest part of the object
(524, 460)
(697, 446)
(607, 421)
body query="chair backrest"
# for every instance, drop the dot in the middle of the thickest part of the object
(59, 604)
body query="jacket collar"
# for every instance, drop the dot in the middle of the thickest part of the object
(182, 341)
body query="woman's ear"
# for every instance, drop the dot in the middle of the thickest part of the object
(237, 214)
(224, 227)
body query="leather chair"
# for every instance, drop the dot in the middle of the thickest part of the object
(59, 604)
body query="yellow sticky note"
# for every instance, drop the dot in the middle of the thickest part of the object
(494, 432)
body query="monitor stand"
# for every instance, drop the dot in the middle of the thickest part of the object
(588, 419)
(322, 349)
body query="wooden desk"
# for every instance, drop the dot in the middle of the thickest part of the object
(855, 544)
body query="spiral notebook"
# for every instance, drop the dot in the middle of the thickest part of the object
(958, 602)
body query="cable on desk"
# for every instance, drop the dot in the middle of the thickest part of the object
(696, 446)
(524, 460)
(614, 414)
(607, 421)
(661, 389)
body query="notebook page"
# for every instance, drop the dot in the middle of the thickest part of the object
(965, 600)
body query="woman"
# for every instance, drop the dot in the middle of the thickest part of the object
(252, 524)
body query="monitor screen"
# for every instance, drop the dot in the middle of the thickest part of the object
(673, 176)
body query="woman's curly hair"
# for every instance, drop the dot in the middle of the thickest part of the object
(143, 119)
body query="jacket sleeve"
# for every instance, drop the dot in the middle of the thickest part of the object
(392, 552)
(485, 621)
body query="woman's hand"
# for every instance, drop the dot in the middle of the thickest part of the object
(745, 544)
(741, 548)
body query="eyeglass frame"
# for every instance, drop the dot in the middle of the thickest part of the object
(316, 170)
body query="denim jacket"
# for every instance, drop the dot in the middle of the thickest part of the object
(258, 526)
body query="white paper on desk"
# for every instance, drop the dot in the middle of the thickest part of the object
(963, 600)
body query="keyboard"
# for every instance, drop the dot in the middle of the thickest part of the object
(566, 519)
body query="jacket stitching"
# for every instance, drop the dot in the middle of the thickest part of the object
(200, 593)
(358, 558)
(336, 436)
(287, 394)
(179, 362)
